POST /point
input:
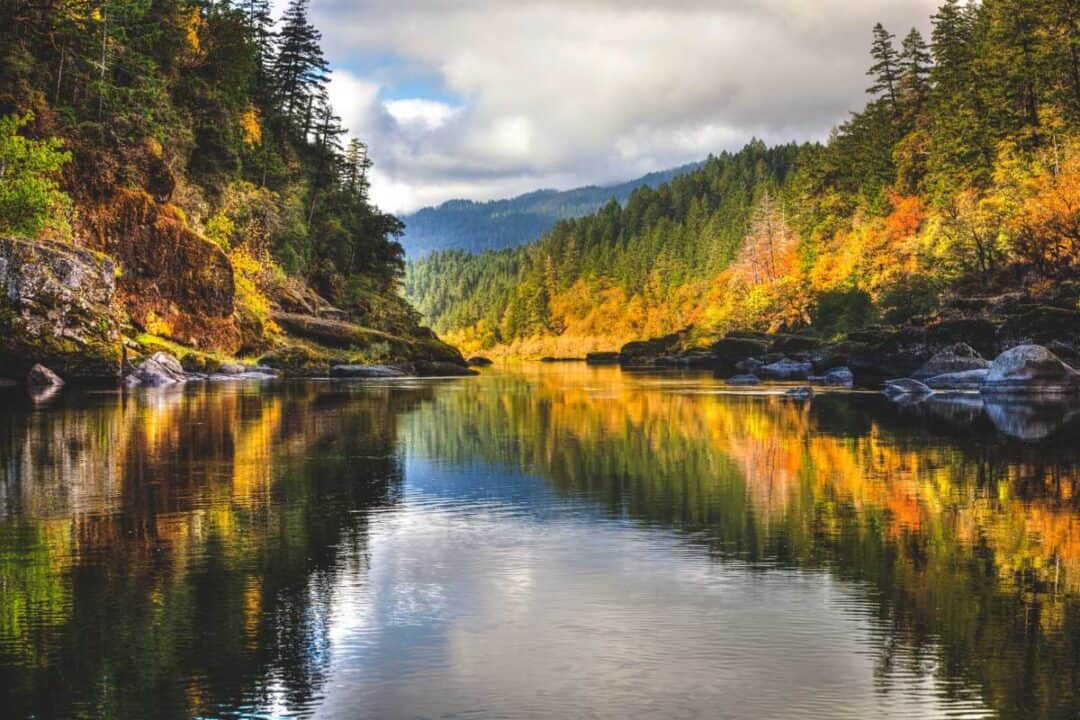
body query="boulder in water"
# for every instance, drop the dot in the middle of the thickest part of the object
(159, 370)
(42, 378)
(965, 380)
(481, 361)
(836, 377)
(744, 380)
(366, 371)
(958, 357)
(1031, 370)
(787, 369)
(906, 390)
(803, 392)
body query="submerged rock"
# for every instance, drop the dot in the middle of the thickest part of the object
(246, 375)
(837, 377)
(744, 380)
(906, 390)
(42, 378)
(956, 358)
(787, 369)
(966, 380)
(159, 370)
(366, 371)
(56, 308)
(438, 368)
(1031, 370)
(803, 392)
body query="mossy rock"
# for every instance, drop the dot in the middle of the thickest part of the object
(57, 308)
(299, 361)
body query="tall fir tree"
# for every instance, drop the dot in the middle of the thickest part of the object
(913, 83)
(300, 69)
(885, 69)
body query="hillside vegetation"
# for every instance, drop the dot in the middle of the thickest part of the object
(194, 144)
(959, 180)
(498, 224)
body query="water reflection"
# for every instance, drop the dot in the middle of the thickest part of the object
(535, 543)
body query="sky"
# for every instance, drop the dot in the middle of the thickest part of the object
(483, 99)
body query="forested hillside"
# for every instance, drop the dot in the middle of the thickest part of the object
(498, 224)
(959, 180)
(194, 145)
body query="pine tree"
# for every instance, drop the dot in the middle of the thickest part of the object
(915, 62)
(886, 65)
(355, 167)
(261, 30)
(300, 70)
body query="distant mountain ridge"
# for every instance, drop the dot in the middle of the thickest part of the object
(496, 224)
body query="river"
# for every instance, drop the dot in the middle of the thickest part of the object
(537, 542)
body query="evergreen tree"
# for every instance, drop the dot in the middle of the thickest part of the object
(915, 62)
(355, 167)
(300, 70)
(885, 67)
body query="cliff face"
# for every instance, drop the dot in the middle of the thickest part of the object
(58, 306)
(174, 282)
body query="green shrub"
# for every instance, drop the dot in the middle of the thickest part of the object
(31, 202)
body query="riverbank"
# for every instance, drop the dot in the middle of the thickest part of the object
(65, 318)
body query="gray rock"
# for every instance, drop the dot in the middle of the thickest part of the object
(906, 390)
(158, 370)
(42, 378)
(1031, 370)
(57, 304)
(837, 377)
(966, 380)
(803, 392)
(744, 380)
(959, 357)
(787, 369)
(366, 371)
(232, 369)
(749, 366)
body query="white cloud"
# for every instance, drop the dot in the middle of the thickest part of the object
(578, 91)
(426, 114)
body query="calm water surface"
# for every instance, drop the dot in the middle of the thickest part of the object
(548, 542)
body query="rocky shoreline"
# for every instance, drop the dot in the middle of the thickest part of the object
(63, 321)
(1014, 346)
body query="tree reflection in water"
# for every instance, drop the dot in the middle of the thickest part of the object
(172, 554)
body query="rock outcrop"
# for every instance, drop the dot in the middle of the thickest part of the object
(57, 308)
(647, 353)
(174, 282)
(1030, 370)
